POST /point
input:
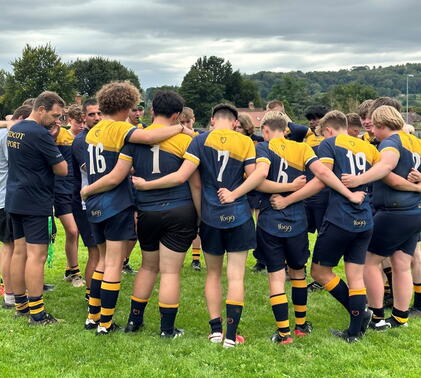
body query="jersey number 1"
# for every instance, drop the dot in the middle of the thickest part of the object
(97, 163)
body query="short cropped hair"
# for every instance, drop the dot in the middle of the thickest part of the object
(117, 96)
(22, 112)
(75, 112)
(246, 123)
(364, 108)
(166, 103)
(388, 116)
(187, 114)
(315, 112)
(275, 120)
(48, 99)
(89, 102)
(29, 101)
(383, 101)
(225, 111)
(334, 119)
(354, 120)
(275, 103)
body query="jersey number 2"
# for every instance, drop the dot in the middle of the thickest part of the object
(97, 163)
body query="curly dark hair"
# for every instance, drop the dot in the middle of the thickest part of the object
(117, 96)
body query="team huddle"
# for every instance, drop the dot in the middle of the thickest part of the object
(115, 181)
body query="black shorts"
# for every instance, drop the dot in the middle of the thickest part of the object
(6, 227)
(334, 242)
(119, 227)
(395, 231)
(62, 204)
(315, 214)
(83, 225)
(33, 228)
(279, 252)
(254, 198)
(216, 241)
(175, 228)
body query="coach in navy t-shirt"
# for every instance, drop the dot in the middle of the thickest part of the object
(34, 159)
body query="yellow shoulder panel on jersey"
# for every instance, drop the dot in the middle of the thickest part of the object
(410, 142)
(64, 137)
(356, 145)
(296, 154)
(240, 146)
(176, 145)
(313, 140)
(110, 133)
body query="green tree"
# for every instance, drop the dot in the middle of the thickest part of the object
(93, 73)
(3, 110)
(39, 69)
(347, 97)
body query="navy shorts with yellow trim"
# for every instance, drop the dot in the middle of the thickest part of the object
(34, 228)
(6, 227)
(62, 204)
(216, 241)
(395, 231)
(119, 227)
(83, 225)
(279, 252)
(175, 228)
(334, 242)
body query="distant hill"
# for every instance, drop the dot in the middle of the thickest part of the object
(387, 81)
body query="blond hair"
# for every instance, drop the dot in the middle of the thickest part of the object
(275, 120)
(187, 114)
(388, 116)
(334, 119)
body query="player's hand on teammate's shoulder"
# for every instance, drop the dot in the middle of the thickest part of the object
(278, 202)
(226, 196)
(350, 181)
(299, 182)
(414, 176)
(357, 197)
(138, 182)
(188, 131)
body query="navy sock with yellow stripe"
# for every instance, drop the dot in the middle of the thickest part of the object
(299, 299)
(279, 303)
(168, 315)
(400, 316)
(417, 295)
(234, 310)
(36, 307)
(95, 296)
(137, 309)
(21, 303)
(72, 271)
(339, 290)
(196, 254)
(357, 303)
(109, 296)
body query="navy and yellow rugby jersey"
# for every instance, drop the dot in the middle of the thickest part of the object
(153, 162)
(353, 156)
(103, 144)
(78, 160)
(370, 139)
(64, 141)
(297, 132)
(322, 197)
(222, 156)
(409, 149)
(287, 160)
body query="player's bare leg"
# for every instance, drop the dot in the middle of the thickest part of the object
(415, 310)
(6, 258)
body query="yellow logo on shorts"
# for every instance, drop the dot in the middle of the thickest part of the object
(284, 227)
(360, 223)
(227, 218)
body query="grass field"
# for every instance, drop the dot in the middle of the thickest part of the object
(66, 350)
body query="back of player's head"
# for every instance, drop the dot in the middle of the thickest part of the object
(117, 96)
(315, 112)
(22, 112)
(275, 120)
(75, 112)
(364, 108)
(47, 100)
(166, 103)
(225, 111)
(89, 102)
(246, 123)
(187, 114)
(389, 101)
(388, 116)
(275, 104)
(335, 120)
(354, 120)
(29, 102)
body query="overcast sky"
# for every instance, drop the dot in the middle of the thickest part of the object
(161, 39)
